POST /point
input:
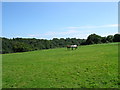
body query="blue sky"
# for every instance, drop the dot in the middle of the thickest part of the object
(49, 20)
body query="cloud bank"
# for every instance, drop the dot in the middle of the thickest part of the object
(77, 32)
(90, 27)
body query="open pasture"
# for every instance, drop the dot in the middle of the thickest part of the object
(92, 66)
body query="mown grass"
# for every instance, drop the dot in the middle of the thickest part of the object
(92, 66)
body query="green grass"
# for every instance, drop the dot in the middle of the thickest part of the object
(92, 66)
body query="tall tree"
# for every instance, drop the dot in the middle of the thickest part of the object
(103, 39)
(93, 39)
(116, 38)
(110, 38)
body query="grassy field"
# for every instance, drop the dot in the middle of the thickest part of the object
(92, 66)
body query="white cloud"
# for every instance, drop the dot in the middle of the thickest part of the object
(32, 35)
(65, 34)
(50, 34)
(91, 27)
(78, 32)
(62, 33)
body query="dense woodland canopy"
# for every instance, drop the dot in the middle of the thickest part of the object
(30, 44)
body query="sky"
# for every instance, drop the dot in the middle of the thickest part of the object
(47, 20)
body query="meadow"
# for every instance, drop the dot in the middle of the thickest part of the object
(91, 66)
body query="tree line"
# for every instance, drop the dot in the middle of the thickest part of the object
(30, 44)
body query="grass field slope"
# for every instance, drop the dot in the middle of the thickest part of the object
(91, 66)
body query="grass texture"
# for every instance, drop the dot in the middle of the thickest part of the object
(91, 66)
